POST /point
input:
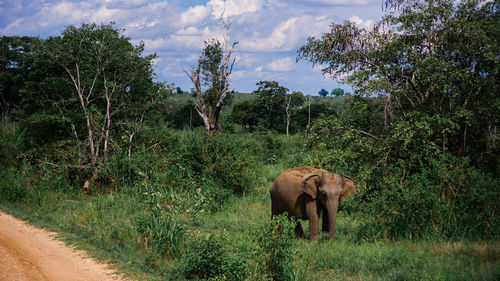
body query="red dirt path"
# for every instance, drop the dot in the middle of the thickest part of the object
(31, 254)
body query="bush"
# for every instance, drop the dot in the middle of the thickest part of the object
(220, 158)
(162, 233)
(405, 186)
(208, 258)
(449, 199)
(13, 187)
(11, 147)
(276, 240)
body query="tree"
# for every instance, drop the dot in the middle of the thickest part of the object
(106, 77)
(338, 92)
(435, 59)
(427, 123)
(292, 102)
(211, 79)
(245, 114)
(16, 58)
(323, 93)
(149, 97)
(270, 104)
(298, 99)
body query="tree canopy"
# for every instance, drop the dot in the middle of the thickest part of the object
(438, 59)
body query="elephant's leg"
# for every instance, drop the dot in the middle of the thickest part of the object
(298, 230)
(325, 227)
(313, 215)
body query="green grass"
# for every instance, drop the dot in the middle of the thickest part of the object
(106, 226)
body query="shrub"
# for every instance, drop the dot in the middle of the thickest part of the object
(276, 240)
(11, 146)
(161, 233)
(208, 258)
(220, 158)
(13, 187)
(449, 199)
(405, 186)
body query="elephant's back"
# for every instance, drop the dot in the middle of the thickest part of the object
(297, 173)
(286, 190)
(291, 178)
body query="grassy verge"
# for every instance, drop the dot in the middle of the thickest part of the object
(119, 227)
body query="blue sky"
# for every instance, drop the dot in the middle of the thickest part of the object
(269, 32)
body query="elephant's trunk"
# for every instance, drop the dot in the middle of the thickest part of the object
(332, 207)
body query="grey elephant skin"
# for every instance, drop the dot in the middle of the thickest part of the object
(305, 192)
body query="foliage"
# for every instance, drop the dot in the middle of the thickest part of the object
(220, 158)
(118, 222)
(437, 58)
(338, 92)
(12, 146)
(275, 240)
(12, 189)
(323, 93)
(399, 170)
(16, 58)
(421, 152)
(209, 258)
(185, 117)
(162, 233)
(245, 113)
(270, 104)
(92, 82)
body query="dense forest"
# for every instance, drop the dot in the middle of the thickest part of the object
(174, 183)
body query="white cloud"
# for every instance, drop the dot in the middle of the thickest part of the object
(245, 60)
(190, 38)
(194, 15)
(234, 7)
(282, 64)
(288, 34)
(345, 2)
(13, 27)
(230, 8)
(256, 75)
(54, 16)
(125, 4)
(360, 22)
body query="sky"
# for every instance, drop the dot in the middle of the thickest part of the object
(268, 32)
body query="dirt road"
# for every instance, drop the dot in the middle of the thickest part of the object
(31, 254)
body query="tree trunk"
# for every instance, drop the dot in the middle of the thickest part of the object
(130, 137)
(5, 115)
(309, 114)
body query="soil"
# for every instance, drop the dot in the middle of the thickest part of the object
(32, 254)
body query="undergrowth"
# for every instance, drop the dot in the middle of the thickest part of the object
(198, 207)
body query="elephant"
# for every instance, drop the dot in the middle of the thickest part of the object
(305, 192)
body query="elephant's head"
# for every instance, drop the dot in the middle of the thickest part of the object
(328, 188)
(325, 186)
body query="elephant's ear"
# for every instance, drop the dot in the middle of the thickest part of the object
(348, 188)
(310, 186)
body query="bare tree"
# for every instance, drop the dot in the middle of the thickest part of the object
(211, 79)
